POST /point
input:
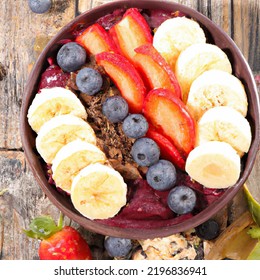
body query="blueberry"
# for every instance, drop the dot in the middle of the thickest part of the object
(162, 175)
(118, 247)
(135, 126)
(89, 81)
(71, 57)
(208, 230)
(145, 152)
(181, 200)
(39, 6)
(115, 108)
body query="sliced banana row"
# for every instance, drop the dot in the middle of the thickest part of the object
(219, 103)
(68, 142)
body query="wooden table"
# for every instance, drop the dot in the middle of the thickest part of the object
(23, 36)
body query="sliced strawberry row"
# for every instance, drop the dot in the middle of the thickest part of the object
(170, 116)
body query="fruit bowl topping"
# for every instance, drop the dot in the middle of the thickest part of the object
(121, 128)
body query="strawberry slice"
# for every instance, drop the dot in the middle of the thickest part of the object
(131, 32)
(169, 115)
(125, 77)
(167, 148)
(95, 39)
(154, 70)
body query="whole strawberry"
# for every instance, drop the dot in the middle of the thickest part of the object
(58, 242)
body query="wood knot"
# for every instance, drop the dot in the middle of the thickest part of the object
(3, 71)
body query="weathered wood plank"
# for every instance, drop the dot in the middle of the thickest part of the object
(22, 201)
(27, 34)
(95, 3)
(83, 6)
(21, 28)
(253, 180)
(246, 25)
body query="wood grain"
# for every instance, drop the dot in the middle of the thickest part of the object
(28, 33)
(21, 29)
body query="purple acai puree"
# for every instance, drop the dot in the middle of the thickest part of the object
(211, 195)
(121, 222)
(146, 204)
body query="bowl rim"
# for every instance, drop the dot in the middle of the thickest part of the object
(134, 233)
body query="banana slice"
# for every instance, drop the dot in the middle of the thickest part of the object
(71, 158)
(216, 88)
(175, 35)
(98, 192)
(195, 60)
(227, 125)
(214, 164)
(53, 102)
(59, 131)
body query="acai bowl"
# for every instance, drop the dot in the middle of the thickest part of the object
(170, 147)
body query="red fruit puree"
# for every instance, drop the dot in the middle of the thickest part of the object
(53, 77)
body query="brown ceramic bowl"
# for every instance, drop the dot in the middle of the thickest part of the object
(240, 69)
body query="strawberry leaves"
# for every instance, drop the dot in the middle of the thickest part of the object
(43, 227)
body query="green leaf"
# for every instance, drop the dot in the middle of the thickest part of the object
(253, 205)
(43, 227)
(255, 253)
(254, 232)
